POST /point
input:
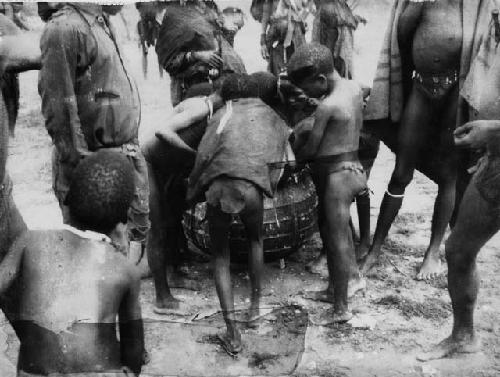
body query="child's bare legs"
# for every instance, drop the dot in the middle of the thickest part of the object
(253, 218)
(341, 188)
(155, 247)
(363, 207)
(218, 224)
(318, 265)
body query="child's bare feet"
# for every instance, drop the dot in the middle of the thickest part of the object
(355, 285)
(450, 346)
(431, 266)
(171, 305)
(231, 342)
(329, 317)
(368, 262)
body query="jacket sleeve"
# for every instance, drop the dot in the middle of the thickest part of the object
(63, 48)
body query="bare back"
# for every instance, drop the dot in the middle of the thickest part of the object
(72, 291)
(344, 106)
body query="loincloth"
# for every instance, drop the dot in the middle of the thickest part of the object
(323, 167)
(487, 179)
(228, 194)
(320, 168)
(435, 87)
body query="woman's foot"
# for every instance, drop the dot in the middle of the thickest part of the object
(451, 346)
(431, 266)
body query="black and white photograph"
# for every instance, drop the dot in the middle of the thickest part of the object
(236, 188)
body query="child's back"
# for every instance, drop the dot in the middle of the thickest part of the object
(344, 105)
(72, 291)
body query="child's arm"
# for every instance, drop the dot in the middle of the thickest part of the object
(177, 122)
(188, 112)
(309, 150)
(11, 264)
(131, 327)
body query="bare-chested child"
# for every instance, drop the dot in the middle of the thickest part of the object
(75, 283)
(430, 42)
(332, 148)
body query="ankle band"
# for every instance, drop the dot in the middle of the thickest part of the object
(395, 196)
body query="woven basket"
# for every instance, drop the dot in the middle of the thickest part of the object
(289, 220)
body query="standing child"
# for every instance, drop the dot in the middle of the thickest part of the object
(332, 148)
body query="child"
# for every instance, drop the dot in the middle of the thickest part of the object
(75, 282)
(231, 171)
(332, 148)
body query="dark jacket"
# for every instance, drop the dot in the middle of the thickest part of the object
(89, 100)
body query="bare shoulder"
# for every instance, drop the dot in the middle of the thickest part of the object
(123, 270)
(338, 105)
(351, 88)
(37, 239)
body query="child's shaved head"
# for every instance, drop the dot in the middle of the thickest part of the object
(237, 85)
(267, 85)
(101, 191)
(310, 60)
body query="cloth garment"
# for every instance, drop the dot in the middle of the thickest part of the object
(333, 27)
(187, 28)
(241, 140)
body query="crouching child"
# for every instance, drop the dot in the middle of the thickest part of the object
(231, 171)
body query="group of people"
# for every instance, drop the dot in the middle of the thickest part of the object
(232, 136)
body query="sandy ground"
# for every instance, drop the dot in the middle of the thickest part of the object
(396, 317)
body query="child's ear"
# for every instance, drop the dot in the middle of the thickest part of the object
(322, 79)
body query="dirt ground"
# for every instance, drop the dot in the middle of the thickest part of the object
(396, 317)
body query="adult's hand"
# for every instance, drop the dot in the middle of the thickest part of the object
(263, 47)
(209, 57)
(476, 134)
